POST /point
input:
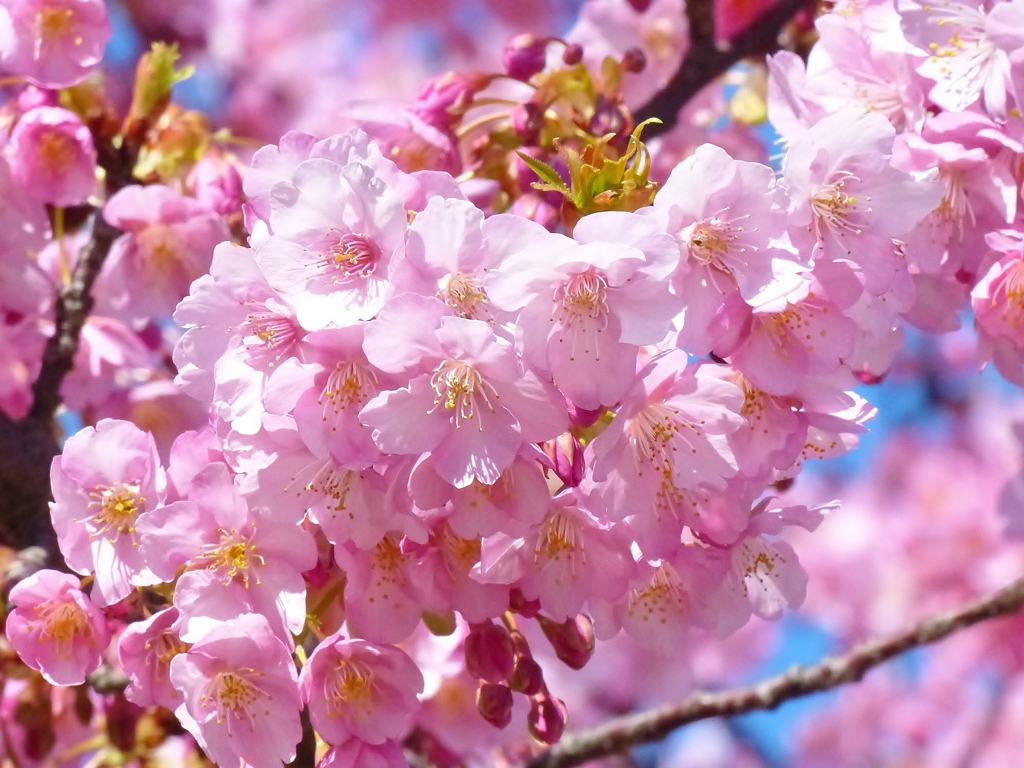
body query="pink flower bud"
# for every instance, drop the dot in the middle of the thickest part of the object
(573, 640)
(442, 101)
(526, 121)
(33, 97)
(524, 56)
(640, 5)
(517, 603)
(634, 60)
(565, 458)
(494, 702)
(53, 157)
(218, 184)
(583, 418)
(55, 628)
(527, 677)
(546, 720)
(121, 717)
(573, 54)
(609, 117)
(489, 652)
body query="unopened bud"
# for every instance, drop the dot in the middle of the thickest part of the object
(517, 603)
(634, 60)
(609, 117)
(527, 119)
(524, 56)
(546, 720)
(573, 640)
(443, 101)
(573, 54)
(494, 702)
(217, 183)
(489, 652)
(640, 5)
(565, 457)
(122, 718)
(527, 677)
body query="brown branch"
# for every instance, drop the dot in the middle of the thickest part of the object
(706, 59)
(622, 733)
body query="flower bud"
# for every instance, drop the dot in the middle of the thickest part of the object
(609, 117)
(573, 54)
(582, 418)
(517, 603)
(122, 717)
(489, 653)
(442, 101)
(634, 60)
(546, 720)
(526, 121)
(217, 183)
(527, 677)
(524, 56)
(573, 640)
(565, 457)
(640, 5)
(494, 702)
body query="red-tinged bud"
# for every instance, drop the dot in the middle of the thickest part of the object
(443, 100)
(634, 60)
(546, 720)
(535, 207)
(573, 640)
(494, 702)
(517, 603)
(217, 183)
(489, 652)
(640, 5)
(526, 121)
(609, 117)
(122, 718)
(525, 55)
(527, 677)
(573, 54)
(33, 719)
(565, 457)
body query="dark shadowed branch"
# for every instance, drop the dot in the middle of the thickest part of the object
(623, 733)
(707, 59)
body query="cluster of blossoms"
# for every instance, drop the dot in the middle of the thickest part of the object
(434, 405)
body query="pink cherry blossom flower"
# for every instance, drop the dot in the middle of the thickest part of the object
(569, 558)
(362, 690)
(586, 305)
(237, 560)
(959, 55)
(168, 243)
(241, 694)
(106, 479)
(668, 438)
(998, 302)
(792, 343)
(445, 577)
(380, 592)
(726, 215)
(145, 651)
(467, 404)
(55, 628)
(53, 157)
(511, 504)
(847, 202)
(450, 247)
(974, 160)
(335, 231)
(56, 43)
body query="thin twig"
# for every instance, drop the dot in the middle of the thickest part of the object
(706, 59)
(622, 733)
